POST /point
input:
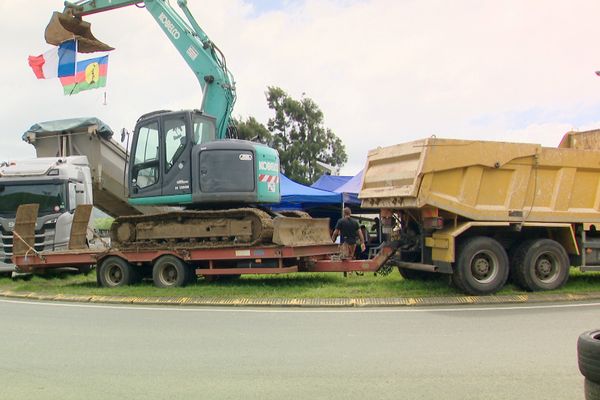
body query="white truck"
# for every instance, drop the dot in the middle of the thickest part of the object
(57, 184)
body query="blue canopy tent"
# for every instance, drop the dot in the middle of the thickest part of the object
(350, 190)
(330, 182)
(295, 196)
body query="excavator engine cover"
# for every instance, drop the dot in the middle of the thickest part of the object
(64, 27)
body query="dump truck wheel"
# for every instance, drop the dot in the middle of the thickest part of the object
(540, 264)
(416, 275)
(588, 355)
(114, 271)
(169, 271)
(481, 266)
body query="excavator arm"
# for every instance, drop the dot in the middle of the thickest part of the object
(199, 52)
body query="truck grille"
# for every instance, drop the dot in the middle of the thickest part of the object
(43, 241)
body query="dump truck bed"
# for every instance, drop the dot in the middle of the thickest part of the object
(489, 181)
(107, 158)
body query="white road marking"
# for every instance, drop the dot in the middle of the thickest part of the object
(221, 309)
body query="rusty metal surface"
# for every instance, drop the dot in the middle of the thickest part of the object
(238, 271)
(24, 232)
(65, 27)
(79, 227)
(57, 259)
(301, 231)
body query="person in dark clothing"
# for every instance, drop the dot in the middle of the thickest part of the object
(350, 234)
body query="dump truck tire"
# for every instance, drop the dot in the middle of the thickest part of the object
(591, 390)
(415, 275)
(588, 355)
(114, 271)
(481, 266)
(169, 271)
(540, 264)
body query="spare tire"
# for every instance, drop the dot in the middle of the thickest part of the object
(588, 355)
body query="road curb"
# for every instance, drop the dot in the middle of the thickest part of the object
(329, 303)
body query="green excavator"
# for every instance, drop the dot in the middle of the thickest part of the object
(187, 158)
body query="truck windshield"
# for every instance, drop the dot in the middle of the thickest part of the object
(50, 196)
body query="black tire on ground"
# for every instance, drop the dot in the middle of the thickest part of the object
(169, 271)
(540, 264)
(86, 269)
(191, 275)
(591, 390)
(229, 278)
(481, 266)
(588, 355)
(220, 278)
(416, 275)
(114, 271)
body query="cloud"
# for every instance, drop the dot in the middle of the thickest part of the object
(382, 71)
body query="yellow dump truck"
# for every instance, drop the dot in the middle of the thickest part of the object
(482, 210)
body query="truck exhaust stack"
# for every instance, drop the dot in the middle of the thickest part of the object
(65, 27)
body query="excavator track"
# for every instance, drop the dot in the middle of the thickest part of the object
(239, 227)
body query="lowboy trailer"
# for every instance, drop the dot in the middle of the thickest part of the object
(171, 265)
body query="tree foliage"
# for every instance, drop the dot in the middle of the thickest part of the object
(301, 138)
(252, 130)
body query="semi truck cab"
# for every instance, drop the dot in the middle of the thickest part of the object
(57, 184)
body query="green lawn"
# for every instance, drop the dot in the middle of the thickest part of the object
(299, 285)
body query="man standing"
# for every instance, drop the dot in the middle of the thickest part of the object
(350, 232)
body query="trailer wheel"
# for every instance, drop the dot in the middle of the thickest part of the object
(114, 271)
(588, 355)
(170, 271)
(540, 264)
(481, 266)
(191, 278)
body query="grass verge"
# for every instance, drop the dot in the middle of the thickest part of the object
(299, 285)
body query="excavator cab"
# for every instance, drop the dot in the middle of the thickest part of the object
(176, 159)
(63, 26)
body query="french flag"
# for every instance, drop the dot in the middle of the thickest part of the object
(55, 63)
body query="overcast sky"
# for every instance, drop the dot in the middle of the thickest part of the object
(382, 71)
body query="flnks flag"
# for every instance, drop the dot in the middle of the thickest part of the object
(89, 74)
(55, 63)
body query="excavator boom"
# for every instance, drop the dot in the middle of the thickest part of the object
(199, 52)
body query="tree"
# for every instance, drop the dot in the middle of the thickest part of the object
(300, 136)
(252, 130)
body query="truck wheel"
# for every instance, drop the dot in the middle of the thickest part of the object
(591, 390)
(588, 355)
(191, 275)
(481, 266)
(540, 264)
(114, 271)
(169, 271)
(416, 275)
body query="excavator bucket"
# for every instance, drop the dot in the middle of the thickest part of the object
(288, 231)
(64, 27)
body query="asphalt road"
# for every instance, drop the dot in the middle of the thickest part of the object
(73, 351)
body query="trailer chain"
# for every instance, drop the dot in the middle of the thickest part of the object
(385, 269)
